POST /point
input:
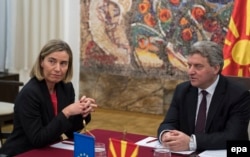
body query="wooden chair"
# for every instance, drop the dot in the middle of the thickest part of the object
(7, 105)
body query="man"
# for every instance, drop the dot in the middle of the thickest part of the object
(226, 112)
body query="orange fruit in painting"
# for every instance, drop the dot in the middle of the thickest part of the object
(183, 21)
(143, 7)
(198, 12)
(186, 34)
(175, 2)
(211, 25)
(164, 15)
(149, 20)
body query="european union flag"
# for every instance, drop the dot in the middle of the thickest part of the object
(84, 145)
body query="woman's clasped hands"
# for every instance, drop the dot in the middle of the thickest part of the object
(84, 106)
(88, 105)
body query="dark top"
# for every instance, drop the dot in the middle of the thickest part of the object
(35, 124)
(227, 118)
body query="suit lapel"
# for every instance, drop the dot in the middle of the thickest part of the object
(47, 100)
(216, 101)
(60, 97)
(191, 101)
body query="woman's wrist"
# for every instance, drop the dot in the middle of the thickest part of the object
(66, 113)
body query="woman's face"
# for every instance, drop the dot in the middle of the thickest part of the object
(55, 66)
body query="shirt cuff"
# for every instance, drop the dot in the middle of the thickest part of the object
(161, 135)
(192, 143)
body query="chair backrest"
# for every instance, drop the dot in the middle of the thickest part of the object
(243, 80)
(246, 82)
(9, 90)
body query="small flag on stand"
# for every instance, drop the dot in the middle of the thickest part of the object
(84, 145)
(121, 148)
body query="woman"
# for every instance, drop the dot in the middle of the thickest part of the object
(45, 108)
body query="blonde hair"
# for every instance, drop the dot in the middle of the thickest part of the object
(50, 47)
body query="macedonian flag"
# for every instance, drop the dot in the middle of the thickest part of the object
(237, 43)
(121, 148)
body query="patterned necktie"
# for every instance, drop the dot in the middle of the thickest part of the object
(201, 118)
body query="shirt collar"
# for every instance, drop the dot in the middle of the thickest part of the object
(212, 87)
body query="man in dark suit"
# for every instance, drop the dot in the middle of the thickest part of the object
(227, 105)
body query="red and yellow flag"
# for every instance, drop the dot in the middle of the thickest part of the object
(237, 43)
(120, 148)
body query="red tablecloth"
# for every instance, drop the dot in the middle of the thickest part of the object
(101, 136)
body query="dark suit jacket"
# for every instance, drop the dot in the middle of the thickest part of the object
(227, 118)
(34, 122)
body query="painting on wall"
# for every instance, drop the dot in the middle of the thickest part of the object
(133, 52)
(148, 37)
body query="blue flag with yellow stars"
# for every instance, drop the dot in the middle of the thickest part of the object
(84, 145)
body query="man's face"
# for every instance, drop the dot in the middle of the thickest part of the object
(201, 73)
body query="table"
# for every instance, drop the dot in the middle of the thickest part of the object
(101, 136)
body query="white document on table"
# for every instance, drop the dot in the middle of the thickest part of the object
(62, 145)
(154, 143)
(213, 153)
(146, 142)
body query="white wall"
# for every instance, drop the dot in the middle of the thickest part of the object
(2, 33)
(71, 34)
(5, 32)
